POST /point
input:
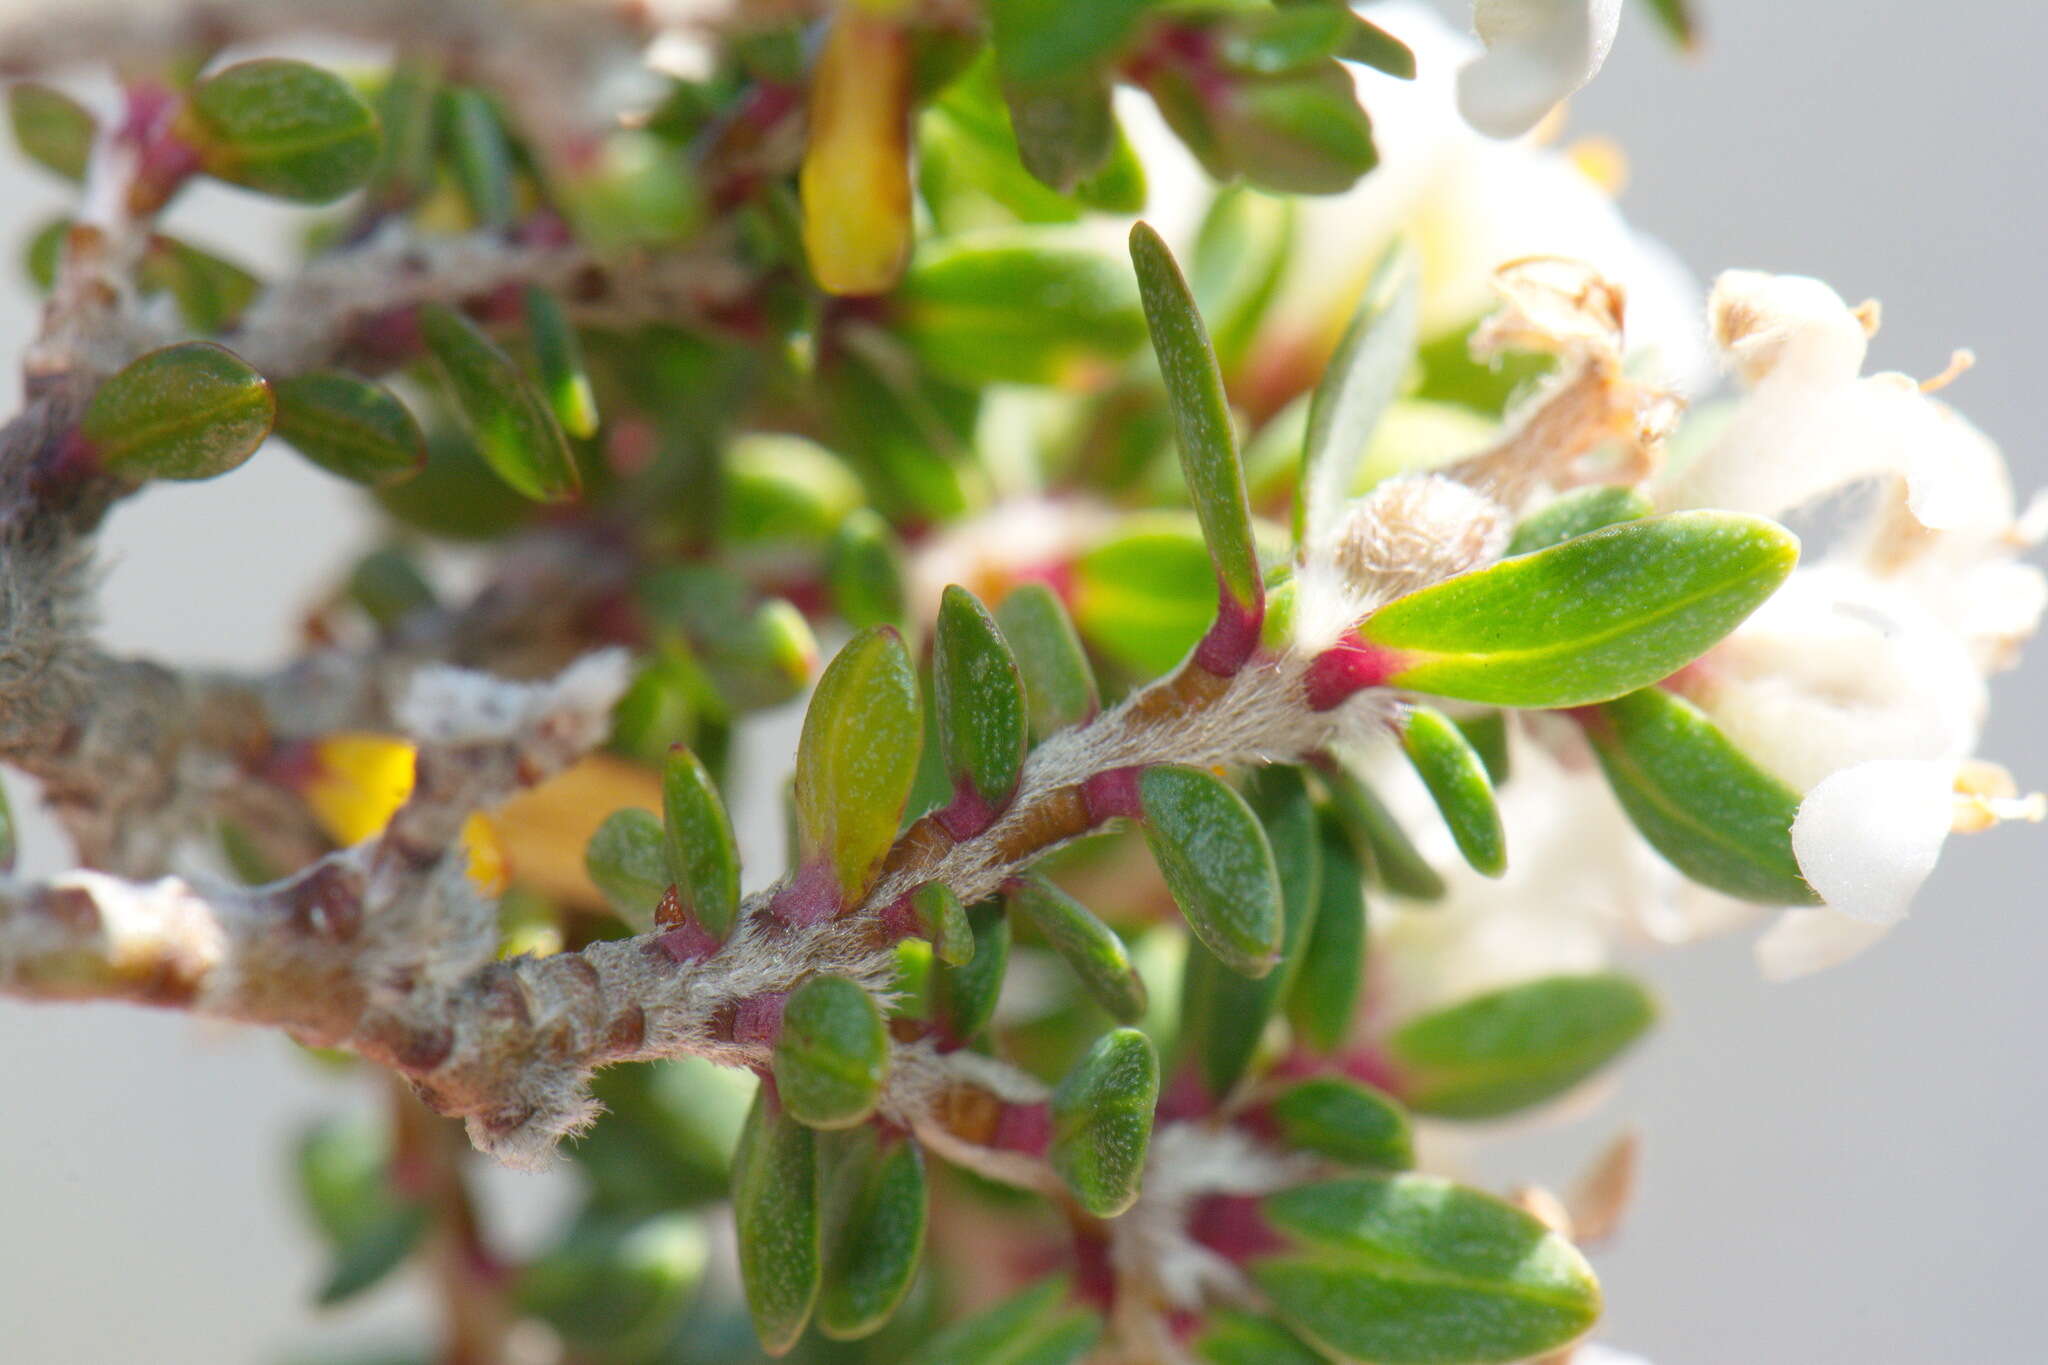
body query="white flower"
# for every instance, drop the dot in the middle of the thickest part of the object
(1862, 683)
(1538, 53)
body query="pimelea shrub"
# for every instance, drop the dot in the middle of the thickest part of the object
(1255, 660)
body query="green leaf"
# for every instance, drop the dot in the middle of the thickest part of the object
(404, 171)
(1676, 18)
(1381, 842)
(786, 490)
(864, 569)
(1102, 1121)
(282, 128)
(211, 293)
(627, 859)
(1223, 1014)
(874, 1230)
(1588, 620)
(1302, 133)
(1239, 1338)
(363, 1261)
(833, 1053)
(1358, 386)
(980, 698)
(1046, 40)
(1718, 816)
(1273, 42)
(1241, 254)
(1059, 687)
(1487, 733)
(475, 137)
(1345, 1121)
(350, 427)
(192, 410)
(1144, 595)
(776, 1216)
(559, 357)
(388, 585)
(1373, 46)
(616, 1285)
(1576, 513)
(1093, 949)
(1214, 857)
(344, 1176)
(1518, 1046)
(702, 859)
(1201, 419)
(1413, 1270)
(513, 428)
(858, 757)
(1039, 1326)
(1456, 777)
(1332, 971)
(1065, 130)
(964, 995)
(53, 130)
(1017, 310)
(943, 922)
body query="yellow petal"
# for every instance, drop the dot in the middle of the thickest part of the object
(358, 782)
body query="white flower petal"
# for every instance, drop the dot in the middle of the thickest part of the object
(1806, 941)
(1538, 52)
(1868, 836)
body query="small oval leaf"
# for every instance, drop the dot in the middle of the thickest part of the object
(513, 429)
(53, 130)
(350, 427)
(1091, 948)
(702, 859)
(964, 996)
(1587, 620)
(1383, 846)
(1059, 687)
(558, 355)
(1718, 816)
(1040, 1326)
(993, 309)
(775, 1213)
(874, 1190)
(282, 128)
(857, 758)
(1413, 1270)
(627, 859)
(1102, 1121)
(1214, 857)
(189, 411)
(942, 921)
(1519, 1046)
(1576, 513)
(833, 1053)
(1341, 1119)
(864, 569)
(980, 698)
(1332, 971)
(481, 155)
(1456, 777)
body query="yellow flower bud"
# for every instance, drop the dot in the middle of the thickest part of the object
(855, 182)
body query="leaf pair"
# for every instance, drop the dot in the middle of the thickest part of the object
(637, 859)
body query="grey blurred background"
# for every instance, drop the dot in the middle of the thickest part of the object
(1844, 1170)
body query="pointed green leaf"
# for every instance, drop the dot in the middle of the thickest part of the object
(193, 410)
(1059, 687)
(864, 569)
(943, 922)
(350, 427)
(482, 157)
(964, 996)
(1238, 1338)
(980, 697)
(833, 1053)
(1456, 777)
(1102, 1121)
(1721, 819)
(559, 357)
(1585, 621)
(874, 1230)
(702, 859)
(1383, 845)
(1272, 42)
(1487, 733)
(1214, 857)
(627, 859)
(513, 428)
(1576, 513)
(1093, 949)
(858, 757)
(282, 128)
(1224, 1015)
(1518, 1046)
(1361, 381)
(775, 1214)
(1065, 129)
(405, 116)
(53, 130)
(1413, 1270)
(1341, 1119)
(1039, 1326)
(1002, 309)
(1382, 51)
(1201, 419)
(1332, 971)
